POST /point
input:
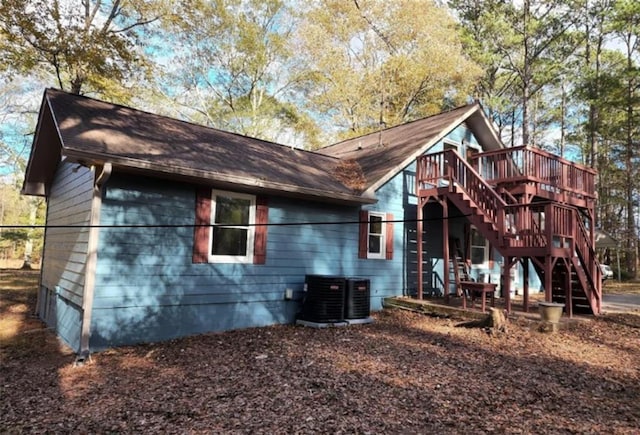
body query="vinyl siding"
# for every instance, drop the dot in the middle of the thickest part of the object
(65, 252)
(148, 289)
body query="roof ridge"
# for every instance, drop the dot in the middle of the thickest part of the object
(465, 106)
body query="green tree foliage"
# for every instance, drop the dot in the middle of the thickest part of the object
(236, 73)
(486, 35)
(523, 47)
(625, 25)
(371, 63)
(86, 46)
(572, 69)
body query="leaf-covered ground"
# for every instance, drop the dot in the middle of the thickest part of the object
(405, 373)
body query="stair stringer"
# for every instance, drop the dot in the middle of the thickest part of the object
(475, 215)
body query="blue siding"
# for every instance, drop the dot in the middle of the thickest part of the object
(65, 252)
(69, 321)
(147, 288)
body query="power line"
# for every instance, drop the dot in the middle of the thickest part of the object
(272, 224)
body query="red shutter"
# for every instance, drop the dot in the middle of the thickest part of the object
(389, 243)
(202, 228)
(260, 238)
(364, 234)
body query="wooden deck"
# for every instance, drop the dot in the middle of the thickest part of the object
(532, 207)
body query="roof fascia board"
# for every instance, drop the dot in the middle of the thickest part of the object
(489, 124)
(406, 162)
(29, 187)
(204, 176)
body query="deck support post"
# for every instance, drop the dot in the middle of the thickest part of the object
(548, 282)
(419, 217)
(445, 248)
(568, 306)
(506, 283)
(525, 284)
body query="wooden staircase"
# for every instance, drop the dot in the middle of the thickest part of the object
(544, 228)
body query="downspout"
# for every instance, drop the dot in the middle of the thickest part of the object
(92, 259)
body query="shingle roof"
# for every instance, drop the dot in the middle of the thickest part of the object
(382, 154)
(97, 131)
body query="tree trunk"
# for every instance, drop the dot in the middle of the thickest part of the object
(526, 78)
(494, 322)
(630, 170)
(28, 247)
(563, 127)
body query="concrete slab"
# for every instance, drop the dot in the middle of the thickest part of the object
(320, 324)
(362, 321)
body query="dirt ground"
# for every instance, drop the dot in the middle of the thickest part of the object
(405, 373)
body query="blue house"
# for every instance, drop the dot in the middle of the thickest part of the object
(159, 228)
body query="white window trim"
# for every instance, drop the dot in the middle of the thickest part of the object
(238, 259)
(448, 143)
(383, 237)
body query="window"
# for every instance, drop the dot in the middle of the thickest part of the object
(479, 249)
(376, 238)
(230, 227)
(376, 235)
(447, 145)
(233, 219)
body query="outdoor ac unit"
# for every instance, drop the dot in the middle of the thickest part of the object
(324, 299)
(357, 299)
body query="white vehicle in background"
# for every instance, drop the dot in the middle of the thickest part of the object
(607, 271)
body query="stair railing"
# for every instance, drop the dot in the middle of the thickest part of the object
(479, 191)
(587, 255)
(447, 168)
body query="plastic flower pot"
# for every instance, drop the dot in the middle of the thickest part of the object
(550, 313)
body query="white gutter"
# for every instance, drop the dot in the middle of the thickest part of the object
(92, 259)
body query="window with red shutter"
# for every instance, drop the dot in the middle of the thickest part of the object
(230, 227)
(375, 235)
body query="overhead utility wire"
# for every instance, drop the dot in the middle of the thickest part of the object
(273, 224)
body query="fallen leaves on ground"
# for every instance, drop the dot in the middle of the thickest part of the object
(405, 373)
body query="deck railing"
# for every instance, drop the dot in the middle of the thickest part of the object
(443, 168)
(525, 227)
(538, 225)
(525, 164)
(549, 224)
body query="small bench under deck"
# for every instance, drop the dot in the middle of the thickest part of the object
(478, 287)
